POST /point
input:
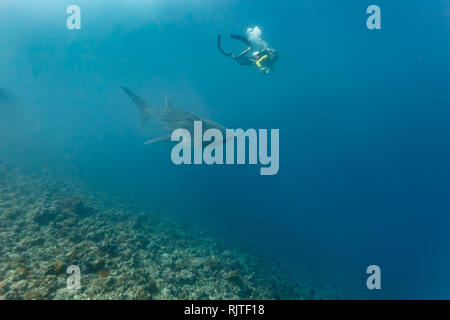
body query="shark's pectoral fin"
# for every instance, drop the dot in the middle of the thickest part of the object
(163, 138)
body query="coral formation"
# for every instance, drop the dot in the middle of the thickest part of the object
(47, 225)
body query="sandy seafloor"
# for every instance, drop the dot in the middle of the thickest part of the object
(48, 223)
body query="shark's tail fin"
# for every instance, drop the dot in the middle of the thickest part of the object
(141, 104)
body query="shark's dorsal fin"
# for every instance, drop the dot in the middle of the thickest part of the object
(167, 103)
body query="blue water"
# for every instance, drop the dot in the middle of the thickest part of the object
(363, 118)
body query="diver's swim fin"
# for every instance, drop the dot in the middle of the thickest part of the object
(141, 104)
(241, 38)
(220, 48)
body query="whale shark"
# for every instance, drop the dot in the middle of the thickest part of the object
(208, 138)
(170, 117)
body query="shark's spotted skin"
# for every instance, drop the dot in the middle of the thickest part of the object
(170, 117)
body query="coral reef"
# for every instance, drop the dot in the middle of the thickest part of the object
(47, 225)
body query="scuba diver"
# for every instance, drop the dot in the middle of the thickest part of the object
(263, 59)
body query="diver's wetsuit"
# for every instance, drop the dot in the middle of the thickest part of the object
(242, 58)
(267, 58)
